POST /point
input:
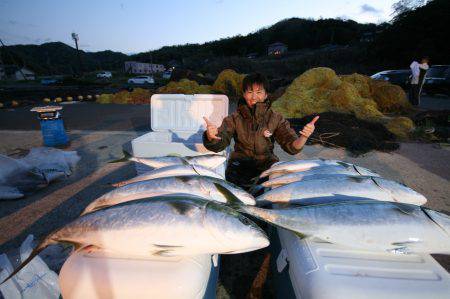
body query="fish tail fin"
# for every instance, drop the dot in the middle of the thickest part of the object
(41, 246)
(232, 200)
(126, 157)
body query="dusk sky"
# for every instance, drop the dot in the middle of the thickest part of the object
(137, 26)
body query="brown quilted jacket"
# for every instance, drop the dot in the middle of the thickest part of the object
(246, 126)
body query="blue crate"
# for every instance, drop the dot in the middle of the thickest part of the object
(53, 132)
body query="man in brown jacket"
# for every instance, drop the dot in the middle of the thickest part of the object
(255, 127)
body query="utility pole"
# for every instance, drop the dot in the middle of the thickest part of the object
(13, 60)
(75, 38)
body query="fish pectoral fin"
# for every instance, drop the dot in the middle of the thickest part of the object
(316, 239)
(406, 243)
(404, 247)
(167, 246)
(163, 252)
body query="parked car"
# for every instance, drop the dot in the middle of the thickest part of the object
(142, 80)
(437, 80)
(104, 74)
(51, 81)
(397, 77)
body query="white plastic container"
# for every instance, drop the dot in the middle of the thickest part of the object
(102, 275)
(320, 270)
(177, 124)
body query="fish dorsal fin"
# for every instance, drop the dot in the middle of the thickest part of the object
(344, 164)
(194, 167)
(232, 200)
(356, 169)
(405, 208)
(300, 235)
(184, 161)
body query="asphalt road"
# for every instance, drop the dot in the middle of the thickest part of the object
(83, 116)
(114, 117)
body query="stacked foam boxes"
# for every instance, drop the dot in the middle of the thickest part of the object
(314, 269)
(319, 270)
(177, 124)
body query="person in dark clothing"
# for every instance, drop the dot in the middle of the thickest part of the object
(255, 128)
(418, 71)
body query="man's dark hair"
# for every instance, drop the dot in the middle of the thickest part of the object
(255, 78)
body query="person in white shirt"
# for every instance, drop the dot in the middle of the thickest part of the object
(418, 71)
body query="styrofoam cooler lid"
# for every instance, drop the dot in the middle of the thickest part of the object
(184, 113)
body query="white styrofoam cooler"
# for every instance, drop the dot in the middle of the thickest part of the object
(177, 124)
(319, 270)
(101, 275)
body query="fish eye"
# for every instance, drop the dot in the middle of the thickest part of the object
(245, 220)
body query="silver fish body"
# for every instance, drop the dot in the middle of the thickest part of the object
(318, 172)
(205, 187)
(300, 165)
(354, 186)
(173, 170)
(174, 224)
(370, 225)
(161, 227)
(209, 161)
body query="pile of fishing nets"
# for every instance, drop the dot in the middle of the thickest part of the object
(185, 86)
(320, 90)
(346, 131)
(389, 97)
(228, 82)
(137, 96)
(179, 74)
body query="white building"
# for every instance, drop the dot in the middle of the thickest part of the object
(135, 67)
(24, 74)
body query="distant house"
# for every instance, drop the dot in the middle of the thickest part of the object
(367, 37)
(13, 72)
(277, 49)
(135, 67)
(173, 64)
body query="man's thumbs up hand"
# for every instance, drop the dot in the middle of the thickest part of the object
(211, 130)
(309, 128)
